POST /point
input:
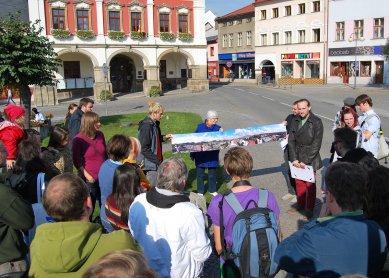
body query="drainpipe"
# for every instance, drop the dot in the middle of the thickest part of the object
(326, 42)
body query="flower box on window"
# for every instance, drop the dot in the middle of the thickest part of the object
(85, 34)
(138, 35)
(116, 35)
(167, 36)
(60, 34)
(185, 37)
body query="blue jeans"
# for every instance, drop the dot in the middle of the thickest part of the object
(211, 179)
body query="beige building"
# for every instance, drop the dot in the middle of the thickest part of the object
(236, 43)
(290, 41)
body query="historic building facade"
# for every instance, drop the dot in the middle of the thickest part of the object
(290, 41)
(236, 43)
(143, 43)
(356, 34)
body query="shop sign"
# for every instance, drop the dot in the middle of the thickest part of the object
(293, 56)
(360, 50)
(212, 64)
(234, 57)
(246, 55)
(311, 62)
(237, 56)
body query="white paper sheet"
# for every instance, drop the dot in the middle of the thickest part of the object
(284, 143)
(302, 174)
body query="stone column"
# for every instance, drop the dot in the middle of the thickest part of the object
(99, 17)
(152, 79)
(150, 18)
(198, 82)
(99, 84)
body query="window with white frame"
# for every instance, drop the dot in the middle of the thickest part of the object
(230, 40)
(340, 31)
(240, 39)
(230, 23)
(263, 39)
(316, 35)
(302, 8)
(288, 37)
(248, 38)
(288, 10)
(275, 12)
(263, 14)
(301, 36)
(316, 6)
(276, 38)
(224, 40)
(378, 28)
(358, 28)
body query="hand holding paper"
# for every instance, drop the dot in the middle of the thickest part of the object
(305, 174)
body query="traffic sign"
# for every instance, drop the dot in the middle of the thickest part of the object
(229, 64)
(105, 70)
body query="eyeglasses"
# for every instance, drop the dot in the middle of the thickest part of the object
(214, 119)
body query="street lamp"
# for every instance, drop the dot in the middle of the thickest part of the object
(354, 37)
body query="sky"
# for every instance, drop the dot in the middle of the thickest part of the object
(222, 7)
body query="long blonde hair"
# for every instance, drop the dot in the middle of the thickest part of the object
(88, 122)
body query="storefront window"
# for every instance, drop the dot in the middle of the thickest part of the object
(335, 69)
(287, 69)
(313, 69)
(365, 69)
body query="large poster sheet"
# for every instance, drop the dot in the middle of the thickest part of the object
(209, 141)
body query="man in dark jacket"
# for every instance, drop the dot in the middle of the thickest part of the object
(16, 215)
(86, 105)
(150, 138)
(304, 143)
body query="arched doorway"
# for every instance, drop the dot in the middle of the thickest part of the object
(122, 74)
(268, 72)
(174, 71)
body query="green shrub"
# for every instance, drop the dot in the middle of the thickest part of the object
(116, 35)
(138, 35)
(167, 36)
(85, 34)
(109, 95)
(154, 91)
(185, 37)
(60, 34)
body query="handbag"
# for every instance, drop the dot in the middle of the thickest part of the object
(383, 148)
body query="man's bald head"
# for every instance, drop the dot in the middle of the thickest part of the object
(64, 198)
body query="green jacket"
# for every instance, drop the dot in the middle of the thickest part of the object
(67, 249)
(15, 215)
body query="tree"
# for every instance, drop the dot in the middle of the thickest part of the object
(385, 50)
(26, 58)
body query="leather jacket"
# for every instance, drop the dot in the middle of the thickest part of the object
(304, 142)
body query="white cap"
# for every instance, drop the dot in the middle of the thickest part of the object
(212, 114)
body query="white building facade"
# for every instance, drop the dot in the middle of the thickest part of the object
(357, 30)
(144, 43)
(290, 41)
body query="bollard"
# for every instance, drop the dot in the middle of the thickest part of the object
(284, 83)
(291, 83)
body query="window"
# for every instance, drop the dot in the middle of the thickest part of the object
(71, 69)
(275, 12)
(276, 38)
(58, 16)
(263, 14)
(316, 35)
(212, 50)
(340, 31)
(136, 21)
(316, 6)
(358, 28)
(240, 39)
(336, 69)
(365, 69)
(248, 38)
(224, 40)
(239, 21)
(82, 20)
(378, 28)
(301, 38)
(230, 40)
(288, 37)
(224, 24)
(287, 69)
(302, 8)
(183, 26)
(313, 69)
(164, 22)
(248, 19)
(263, 39)
(114, 20)
(288, 10)
(230, 23)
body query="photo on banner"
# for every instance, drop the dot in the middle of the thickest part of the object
(210, 141)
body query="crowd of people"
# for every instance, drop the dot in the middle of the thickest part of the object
(148, 226)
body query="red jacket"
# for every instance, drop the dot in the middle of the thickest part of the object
(11, 135)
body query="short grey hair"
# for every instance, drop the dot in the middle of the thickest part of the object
(172, 174)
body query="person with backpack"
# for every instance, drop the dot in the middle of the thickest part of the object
(225, 211)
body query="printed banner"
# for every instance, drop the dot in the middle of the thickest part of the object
(210, 141)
